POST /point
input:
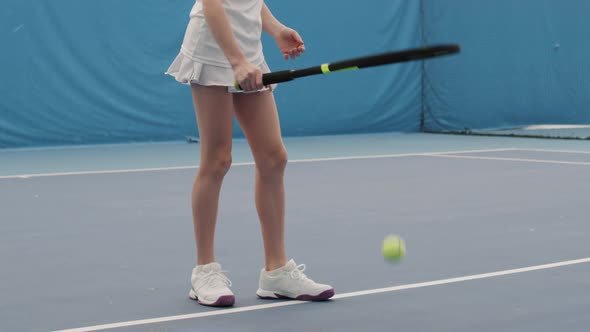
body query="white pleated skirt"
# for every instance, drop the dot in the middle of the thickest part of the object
(189, 71)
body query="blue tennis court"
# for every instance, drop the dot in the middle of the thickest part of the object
(496, 232)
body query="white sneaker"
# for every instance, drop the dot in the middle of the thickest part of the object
(290, 282)
(210, 286)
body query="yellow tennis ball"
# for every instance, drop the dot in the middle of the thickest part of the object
(394, 248)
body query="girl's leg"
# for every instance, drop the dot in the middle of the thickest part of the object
(214, 108)
(258, 117)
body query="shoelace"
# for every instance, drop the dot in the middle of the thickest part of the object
(298, 274)
(218, 279)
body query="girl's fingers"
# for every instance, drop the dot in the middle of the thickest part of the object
(245, 85)
(258, 80)
(294, 53)
(252, 81)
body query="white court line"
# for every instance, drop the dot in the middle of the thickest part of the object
(555, 151)
(137, 170)
(541, 161)
(340, 296)
(116, 171)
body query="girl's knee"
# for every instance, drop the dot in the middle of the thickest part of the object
(273, 162)
(216, 167)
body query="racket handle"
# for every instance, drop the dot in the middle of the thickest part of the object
(277, 77)
(273, 78)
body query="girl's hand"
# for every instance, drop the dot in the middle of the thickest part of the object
(248, 76)
(290, 43)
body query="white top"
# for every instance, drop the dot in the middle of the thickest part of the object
(246, 22)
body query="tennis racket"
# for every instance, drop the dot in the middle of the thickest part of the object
(359, 63)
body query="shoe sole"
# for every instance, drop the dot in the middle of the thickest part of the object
(323, 296)
(222, 301)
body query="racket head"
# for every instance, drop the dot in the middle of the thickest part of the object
(387, 58)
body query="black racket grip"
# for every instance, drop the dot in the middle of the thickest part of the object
(278, 77)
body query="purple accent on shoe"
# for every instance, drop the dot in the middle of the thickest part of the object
(222, 301)
(320, 297)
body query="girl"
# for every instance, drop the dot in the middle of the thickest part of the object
(222, 44)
